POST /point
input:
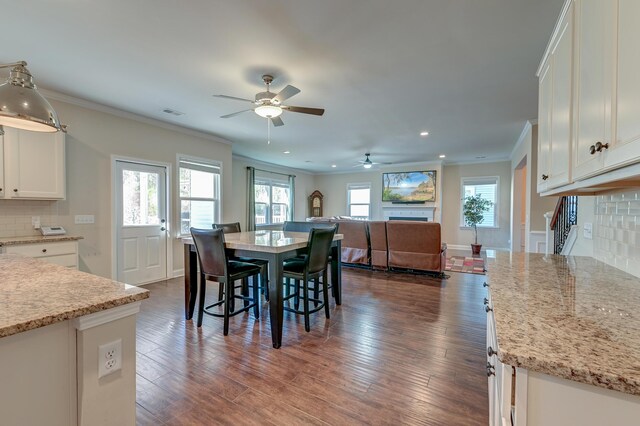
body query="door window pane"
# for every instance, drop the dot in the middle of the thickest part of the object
(140, 198)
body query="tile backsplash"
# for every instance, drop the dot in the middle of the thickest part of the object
(616, 238)
(15, 216)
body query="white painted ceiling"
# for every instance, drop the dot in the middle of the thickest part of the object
(384, 70)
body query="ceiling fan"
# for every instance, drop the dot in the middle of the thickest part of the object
(269, 105)
(367, 163)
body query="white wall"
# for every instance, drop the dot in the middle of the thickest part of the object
(334, 188)
(304, 184)
(453, 233)
(93, 136)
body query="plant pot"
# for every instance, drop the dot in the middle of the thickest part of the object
(475, 249)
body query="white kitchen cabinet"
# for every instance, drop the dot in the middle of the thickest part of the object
(34, 165)
(594, 83)
(1, 163)
(63, 253)
(555, 110)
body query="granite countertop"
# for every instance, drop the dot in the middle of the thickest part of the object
(568, 316)
(34, 293)
(35, 239)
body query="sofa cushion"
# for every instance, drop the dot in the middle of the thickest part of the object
(378, 239)
(355, 245)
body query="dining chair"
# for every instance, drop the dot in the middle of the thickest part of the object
(234, 227)
(310, 266)
(300, 226)
(215, 266)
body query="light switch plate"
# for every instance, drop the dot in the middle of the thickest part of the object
(83, 219)
(587, 231)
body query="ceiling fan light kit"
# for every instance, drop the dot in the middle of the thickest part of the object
(269, 105)
(22, 106)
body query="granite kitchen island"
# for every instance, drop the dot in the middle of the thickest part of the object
(52, 321)
(563, 341)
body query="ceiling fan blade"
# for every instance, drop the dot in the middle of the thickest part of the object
(286, 93)
(233, 97)
(235, 113)
(303, 110)
(277, 121)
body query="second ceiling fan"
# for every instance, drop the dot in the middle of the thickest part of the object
(269, 105)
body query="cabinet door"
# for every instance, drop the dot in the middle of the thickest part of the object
(2, 188)
(544, 125)
(625, 148)
(559, 160)
(34, 164)
(594, 83)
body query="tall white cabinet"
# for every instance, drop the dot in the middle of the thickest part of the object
(33, 165)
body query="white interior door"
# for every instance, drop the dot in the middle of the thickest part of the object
(141, 205)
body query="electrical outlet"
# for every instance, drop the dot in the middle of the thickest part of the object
(35, 221)
(109, 358)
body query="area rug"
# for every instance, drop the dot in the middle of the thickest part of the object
(468, 265)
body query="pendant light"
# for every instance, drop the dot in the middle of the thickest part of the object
(22, 106)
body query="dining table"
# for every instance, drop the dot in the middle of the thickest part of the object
(274, 246)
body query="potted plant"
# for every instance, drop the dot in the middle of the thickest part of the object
(474, 209)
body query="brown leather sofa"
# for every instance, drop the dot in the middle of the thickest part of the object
(378, 242)
(401, 244)
(355, 244)
(415, 245)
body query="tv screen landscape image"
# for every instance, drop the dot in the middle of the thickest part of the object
(409, 187)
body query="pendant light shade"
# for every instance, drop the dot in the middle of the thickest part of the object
(22, 106)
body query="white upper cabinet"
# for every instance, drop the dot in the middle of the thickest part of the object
(625, 146)
(594, 84)
(555, 109)
(34, 165)
(2, 188)
(593, 101)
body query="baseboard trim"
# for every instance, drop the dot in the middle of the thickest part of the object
(177, 273)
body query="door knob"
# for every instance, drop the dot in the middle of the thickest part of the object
(592, 149)
(487, 309)
(486, 301)
(162, 221)
(600, 146)
(545, 177)
(485, 284)
(491, 352)
(163, 229)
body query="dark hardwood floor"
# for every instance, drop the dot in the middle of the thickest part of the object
(401, 349)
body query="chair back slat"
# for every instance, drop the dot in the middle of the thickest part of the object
(210, 248)
(320, 240)
(228, 228)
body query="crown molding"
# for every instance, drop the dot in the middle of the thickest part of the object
(272, 165)
(480, 161)
(527, 126)
(554, 35)
(61, 97)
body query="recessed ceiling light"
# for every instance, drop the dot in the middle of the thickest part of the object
(334, 166)
(442, 156)
(425, 133)
(287, 152)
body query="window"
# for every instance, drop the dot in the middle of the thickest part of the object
(359, 200)
(199, 194)
(273, 201)
(487, 187)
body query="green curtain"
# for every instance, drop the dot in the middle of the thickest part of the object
(292, 197)
(251, 199)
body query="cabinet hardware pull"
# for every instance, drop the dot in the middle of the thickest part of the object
(0, 189)
(487, 309)
(491, 352)
(600, 146)
(592, 149)
(545, 177)
(44, 250)
(486, 301)
(485, 284)
(15, 190)
(490, 370)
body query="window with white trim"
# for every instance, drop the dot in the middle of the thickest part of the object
(487, 187)
(359, 200)
(273, 201)
(199, 193)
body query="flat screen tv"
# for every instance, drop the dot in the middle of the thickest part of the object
(409, 187)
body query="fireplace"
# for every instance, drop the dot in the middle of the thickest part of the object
(423, 214)
(417, 219)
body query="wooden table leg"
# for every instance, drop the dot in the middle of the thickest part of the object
(276, 304)
(190, 280)
(336, 272)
